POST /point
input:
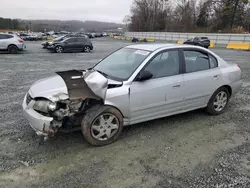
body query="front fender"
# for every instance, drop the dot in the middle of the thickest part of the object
(119, 98)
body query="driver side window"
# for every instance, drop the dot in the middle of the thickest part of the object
(71, 40)
(164, 64)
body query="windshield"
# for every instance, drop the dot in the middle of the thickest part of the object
(121, 64)
(60, 38)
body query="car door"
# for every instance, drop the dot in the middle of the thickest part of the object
(4, 41)
(201, 79)
(80, 43)
(162, 94)
(196, 40)
(1, 41)
(70, 44)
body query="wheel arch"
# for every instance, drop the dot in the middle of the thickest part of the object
(12, 45)
(228, 87)
(224, 86)
(114, 106)
(101, 102)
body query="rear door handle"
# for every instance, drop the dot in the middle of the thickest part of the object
(216, 77)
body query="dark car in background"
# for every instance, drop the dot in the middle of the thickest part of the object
(199, 41)
(71, 44)
(45, 44)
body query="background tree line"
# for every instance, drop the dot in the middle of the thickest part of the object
(6, 23)
(189, 15)
(55, 25)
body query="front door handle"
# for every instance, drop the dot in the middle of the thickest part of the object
(177, 86)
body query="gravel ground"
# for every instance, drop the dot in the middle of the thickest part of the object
(187, 150)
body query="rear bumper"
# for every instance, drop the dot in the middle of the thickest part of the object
(21, 46)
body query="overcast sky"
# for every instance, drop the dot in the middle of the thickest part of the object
(100, 10)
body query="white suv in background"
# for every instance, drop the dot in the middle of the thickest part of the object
(11, 43)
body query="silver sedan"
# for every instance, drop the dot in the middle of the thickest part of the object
(134, 84)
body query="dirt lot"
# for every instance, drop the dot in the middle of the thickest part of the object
(188, 150)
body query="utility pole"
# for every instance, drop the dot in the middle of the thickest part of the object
(234, 12)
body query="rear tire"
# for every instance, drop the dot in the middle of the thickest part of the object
(218, 102)
(12, 49)
(86, 49)
(102, 125)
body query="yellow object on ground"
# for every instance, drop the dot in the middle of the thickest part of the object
(50, 38)
(150, 39)
(212, 45)
(179, 42)
(238, 46)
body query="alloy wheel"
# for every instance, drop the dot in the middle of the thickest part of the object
(59, 49)
(220, 101)
(87, 49)
(105, 127)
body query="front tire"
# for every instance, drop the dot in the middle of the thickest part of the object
(102, 125)
(12, 49)
(59, 49)
(218, 102)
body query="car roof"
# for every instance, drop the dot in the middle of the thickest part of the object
(151, 47)
(6, 34)
(156, 46)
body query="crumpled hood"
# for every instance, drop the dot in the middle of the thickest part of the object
(48, 87)
(72, 84)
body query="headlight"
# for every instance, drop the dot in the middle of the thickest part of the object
(41, 106)
(52, 106)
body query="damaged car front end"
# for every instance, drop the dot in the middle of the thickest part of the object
(59, 102)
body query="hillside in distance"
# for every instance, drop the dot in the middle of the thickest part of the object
(72, 25)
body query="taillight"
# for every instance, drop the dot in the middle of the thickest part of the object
(19, 40)
(238, 65)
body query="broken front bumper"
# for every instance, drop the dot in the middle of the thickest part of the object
(42, 125)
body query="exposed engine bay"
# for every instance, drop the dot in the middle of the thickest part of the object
(84, 89)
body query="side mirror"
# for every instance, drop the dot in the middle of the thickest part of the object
(144, 75)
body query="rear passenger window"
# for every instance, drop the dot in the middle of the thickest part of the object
(81, 39)
(4, 36)
(196, 61)
(213, 62)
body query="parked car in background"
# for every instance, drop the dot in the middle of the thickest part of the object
(89, 35)
(71, 44)
(199, 41)
(45, 44)
(23, 36)
(134, 84)
(11, 43)
(104, 34)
